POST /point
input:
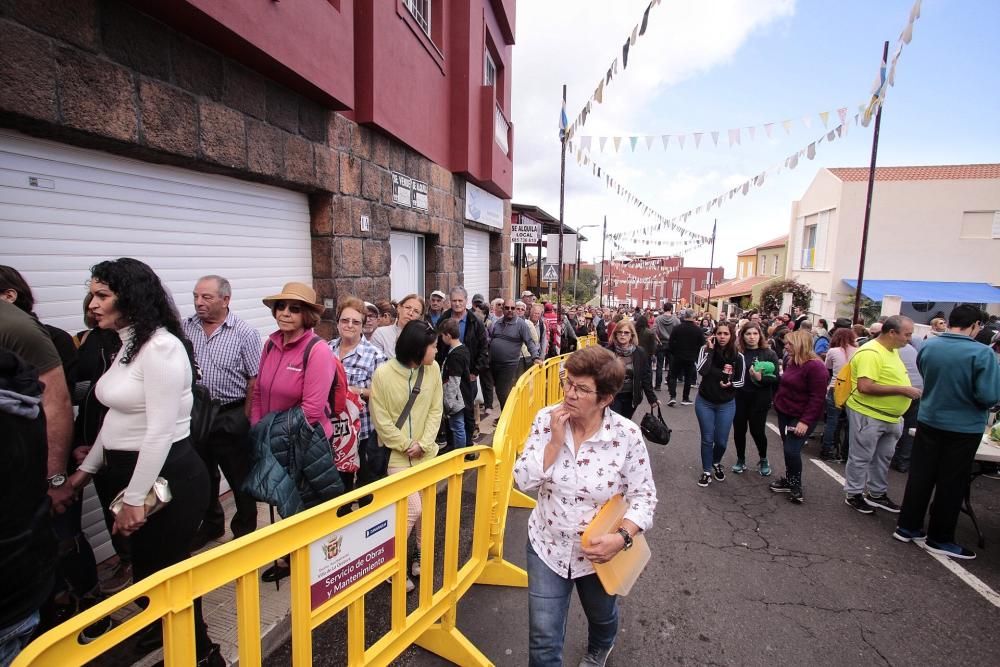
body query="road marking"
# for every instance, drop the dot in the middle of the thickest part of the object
(974, 582)
(829, 471)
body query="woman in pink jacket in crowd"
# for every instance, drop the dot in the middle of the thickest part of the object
(282, 383)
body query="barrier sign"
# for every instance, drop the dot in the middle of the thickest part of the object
(528, 232)
(344, 557)
(550, 273)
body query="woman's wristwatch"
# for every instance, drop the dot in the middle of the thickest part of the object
(627, 537)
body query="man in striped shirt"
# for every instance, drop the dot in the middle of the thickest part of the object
(228, 351)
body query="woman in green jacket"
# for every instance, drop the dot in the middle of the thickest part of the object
(411, 441)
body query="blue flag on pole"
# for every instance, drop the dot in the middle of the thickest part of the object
(563, 121)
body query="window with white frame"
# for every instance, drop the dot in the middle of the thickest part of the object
(677, 286)
(761, 264)
(809, 246)
(421, 10)
(774, 267)
(489, 69)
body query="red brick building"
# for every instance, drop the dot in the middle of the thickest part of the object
(361, 145)
(649, 281)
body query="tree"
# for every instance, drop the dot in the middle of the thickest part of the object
(770, 297)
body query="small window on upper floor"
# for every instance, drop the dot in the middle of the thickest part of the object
(489, 69)
(421, 10)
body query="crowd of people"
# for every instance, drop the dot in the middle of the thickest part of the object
(144, 400)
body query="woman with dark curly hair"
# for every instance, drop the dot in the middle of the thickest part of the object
(146, 432)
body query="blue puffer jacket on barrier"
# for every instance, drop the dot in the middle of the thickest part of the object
(292, 464)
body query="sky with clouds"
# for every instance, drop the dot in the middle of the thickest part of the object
(720, 64)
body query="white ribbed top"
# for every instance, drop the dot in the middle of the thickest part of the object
(149, 408)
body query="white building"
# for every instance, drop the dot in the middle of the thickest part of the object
(934, 238)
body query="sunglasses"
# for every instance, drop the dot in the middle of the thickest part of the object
(290, 306)
(509, 308)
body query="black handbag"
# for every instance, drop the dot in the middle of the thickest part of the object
(654, 428)
(204, 408)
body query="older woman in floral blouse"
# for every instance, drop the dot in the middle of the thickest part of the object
(579, 454)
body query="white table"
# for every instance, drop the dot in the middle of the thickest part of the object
(988, 452)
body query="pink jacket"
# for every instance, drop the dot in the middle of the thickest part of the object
(281, 384)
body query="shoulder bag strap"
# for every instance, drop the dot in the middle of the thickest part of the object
(412, 399)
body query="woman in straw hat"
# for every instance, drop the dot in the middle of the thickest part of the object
(281, 383)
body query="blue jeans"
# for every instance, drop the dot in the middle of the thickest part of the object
(793, 447)
(15, 637)
(548, 605)
(715, 421)
(836, 424)
(457, 424)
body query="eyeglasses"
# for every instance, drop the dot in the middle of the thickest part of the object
(294, 308)
(413, 310)
(508, 308)
(580, 389)
(348, 322)
(623, 333)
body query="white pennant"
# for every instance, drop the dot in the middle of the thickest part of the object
(649, 141)
(601, 141)
(666, 139)
(768, 127)
(734, 137)
(715, 138)
(697, 139)
(680, 140)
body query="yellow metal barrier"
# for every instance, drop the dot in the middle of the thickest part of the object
(328, 574)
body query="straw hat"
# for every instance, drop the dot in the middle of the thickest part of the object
(296, 292)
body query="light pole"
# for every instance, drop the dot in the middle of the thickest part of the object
(576, 275)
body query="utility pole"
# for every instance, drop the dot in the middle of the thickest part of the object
(604, 235)
(562, 209)
(711, 268)
(871, 188)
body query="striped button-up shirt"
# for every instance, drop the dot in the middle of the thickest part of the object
(360, 366)
(228, 358)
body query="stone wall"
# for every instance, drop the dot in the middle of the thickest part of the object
(101, 74)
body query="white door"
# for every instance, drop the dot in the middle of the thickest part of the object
(63, 209)
(477, 263)
(406, 270)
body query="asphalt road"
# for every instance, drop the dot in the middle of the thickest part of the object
(740, 576)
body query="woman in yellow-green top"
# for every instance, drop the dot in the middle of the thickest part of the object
(410, 441)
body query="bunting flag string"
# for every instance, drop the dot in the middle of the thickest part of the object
(736, 135)
(643, 234)
(626, 194)
(598, 95)
(887, 71)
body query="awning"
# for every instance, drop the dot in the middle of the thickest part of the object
(925, 290)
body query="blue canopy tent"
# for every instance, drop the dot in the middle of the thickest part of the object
(924, 290)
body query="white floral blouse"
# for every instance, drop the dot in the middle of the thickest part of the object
(576, 486)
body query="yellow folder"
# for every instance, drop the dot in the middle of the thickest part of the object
(620, 573)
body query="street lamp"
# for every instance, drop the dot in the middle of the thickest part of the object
(576, 276)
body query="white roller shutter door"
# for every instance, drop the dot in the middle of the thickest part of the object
(477, 263)
(63, 209)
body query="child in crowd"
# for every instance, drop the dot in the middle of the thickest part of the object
(455, 373)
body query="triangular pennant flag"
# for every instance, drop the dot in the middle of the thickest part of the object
(666, 139)
(745, 188)
(840, 130)
(907, 34)
(831, 135)
(752, 130)
(914, 11)
(625, 55)
(649, 141)
(824, 116)
(617, 141)
(697, 140)
(608, 77)
(635, 35)
(585, 143)
(793, 161)
(715, 137)
(787, 124)
(680, 140)
(807, 121)
(645, 19)
(601, 141)
(811, 151)
(768, 127)
(599, 93)
(842, 113)
(633, 140)
(734, 137)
